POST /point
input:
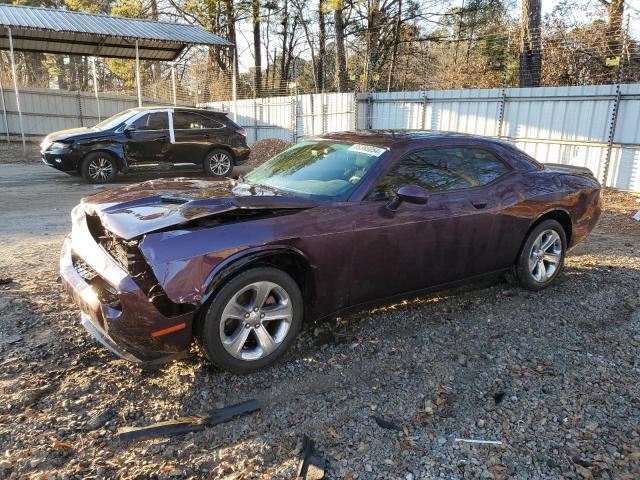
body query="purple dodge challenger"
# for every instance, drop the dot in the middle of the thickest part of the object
(337, 222)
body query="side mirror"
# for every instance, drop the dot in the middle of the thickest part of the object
(128, 129)
(410, 194)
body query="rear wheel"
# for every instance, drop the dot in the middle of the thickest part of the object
(99, 167)
(542, 256)
(218, 163)
(252, 320)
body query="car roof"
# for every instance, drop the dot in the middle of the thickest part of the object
(178, 107)
(390, 138)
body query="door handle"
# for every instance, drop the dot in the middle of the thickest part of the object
(479, 205)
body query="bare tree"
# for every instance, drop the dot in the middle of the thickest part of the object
(615, 12)
(257, 47)
(322, 46)
(341, 57)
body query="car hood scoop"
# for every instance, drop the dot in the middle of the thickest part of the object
(136, 210)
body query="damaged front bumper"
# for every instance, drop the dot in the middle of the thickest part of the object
(114, 310)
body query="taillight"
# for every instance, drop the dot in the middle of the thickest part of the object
(241, 131)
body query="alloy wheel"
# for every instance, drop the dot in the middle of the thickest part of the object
(256, 320)
(100, 169)
(545, 256)
(220, 164)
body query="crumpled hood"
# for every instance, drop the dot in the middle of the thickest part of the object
(138, 209)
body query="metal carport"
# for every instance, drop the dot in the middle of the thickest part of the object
(45, 30)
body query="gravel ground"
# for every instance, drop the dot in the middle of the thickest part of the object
(552, 375)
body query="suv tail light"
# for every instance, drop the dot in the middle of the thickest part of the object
(241, 131)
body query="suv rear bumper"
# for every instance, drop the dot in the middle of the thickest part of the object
(126, 322)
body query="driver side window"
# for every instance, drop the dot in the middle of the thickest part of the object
(441, 169)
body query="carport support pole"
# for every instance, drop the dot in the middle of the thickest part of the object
(173, 83)
(95, 86)
(4, 109)
(15, 87)
(234, 86)
(138, 76)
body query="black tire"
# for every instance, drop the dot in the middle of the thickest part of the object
(218, 163)
(531, 273)
(99, 167)
(211, 329)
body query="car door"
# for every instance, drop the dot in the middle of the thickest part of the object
(148, 138)
(194, 136)
(420, 246)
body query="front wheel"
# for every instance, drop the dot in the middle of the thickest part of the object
(218, 163)
(252, 320)
(98, 167)
(542, 256)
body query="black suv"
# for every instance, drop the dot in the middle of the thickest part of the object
(160, 136)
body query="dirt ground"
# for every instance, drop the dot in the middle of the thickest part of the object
(554, 375)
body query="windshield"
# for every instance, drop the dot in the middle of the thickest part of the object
(318, 168)
(114, 121)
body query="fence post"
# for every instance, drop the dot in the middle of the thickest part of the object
(425, 103)
(255, 119)
(80, 115)
(323, 110)
(616, 105)
(356, 111)
(4, 106)
(293, 112)
(369, 116)
(503, 101)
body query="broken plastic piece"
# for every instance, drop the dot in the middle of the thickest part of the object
(184, 425)
(312, 465)
(387, 424)
(484, 442)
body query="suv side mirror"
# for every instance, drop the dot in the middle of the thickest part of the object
(128, 129)
(410, 194)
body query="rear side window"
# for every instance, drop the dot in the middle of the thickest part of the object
(152, 121)
(193, 121)
(441, 169)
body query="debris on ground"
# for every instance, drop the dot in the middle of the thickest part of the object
(312, 465)
(180, 426)
(389, 425)
(481, 442)
(6, 281)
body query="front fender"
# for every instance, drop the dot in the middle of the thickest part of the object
(100, 145)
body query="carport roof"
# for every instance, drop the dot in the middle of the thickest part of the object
(48, 30)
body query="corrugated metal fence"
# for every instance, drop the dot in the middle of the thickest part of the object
(45, 110)
(593, 126)
(589, 126)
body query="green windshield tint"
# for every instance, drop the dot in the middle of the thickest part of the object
(318, 168)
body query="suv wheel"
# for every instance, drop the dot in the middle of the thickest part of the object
(252, 320)
(542, 256)
(218, 163)
(99, 167)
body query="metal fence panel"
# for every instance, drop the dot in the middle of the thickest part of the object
(570, 125)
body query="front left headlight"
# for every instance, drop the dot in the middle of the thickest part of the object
(58, 146)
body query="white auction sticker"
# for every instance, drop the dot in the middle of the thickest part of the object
(368, 149)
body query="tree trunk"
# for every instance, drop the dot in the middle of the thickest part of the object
(322, 48)
(396, 41)
(231, 34)
(341, 58)
(530, 51)
(257, 74)
(285, 31)
(615, 12)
